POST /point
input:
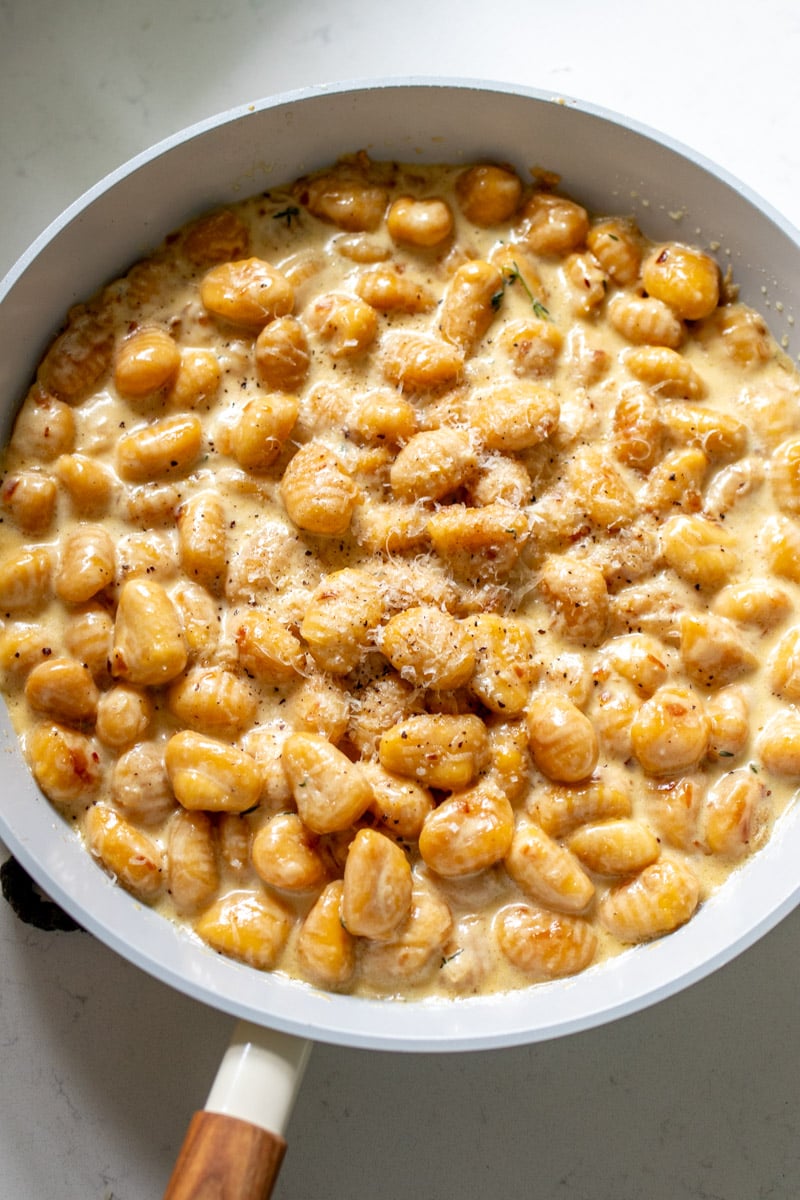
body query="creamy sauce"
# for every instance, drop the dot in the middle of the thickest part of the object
(629, 521)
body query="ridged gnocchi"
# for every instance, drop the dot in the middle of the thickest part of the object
(399, 579)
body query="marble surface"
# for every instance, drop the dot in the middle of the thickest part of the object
(100, 1065)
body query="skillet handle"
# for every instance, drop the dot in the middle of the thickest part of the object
(234, 1147)
(227, 1159)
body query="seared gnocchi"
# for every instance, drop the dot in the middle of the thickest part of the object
(399, 579)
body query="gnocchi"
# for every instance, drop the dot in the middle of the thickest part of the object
(399, 579)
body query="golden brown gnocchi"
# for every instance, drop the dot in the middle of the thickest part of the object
(399, 579)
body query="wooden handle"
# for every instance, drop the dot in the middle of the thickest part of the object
(225, 1158)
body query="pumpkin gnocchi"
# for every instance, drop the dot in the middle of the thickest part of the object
(399, 580)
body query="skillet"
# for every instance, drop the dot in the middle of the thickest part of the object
(613, 165)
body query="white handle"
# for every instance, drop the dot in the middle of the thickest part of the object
(234, 1147)
(259, 1077)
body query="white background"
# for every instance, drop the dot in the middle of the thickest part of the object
(100, 1066)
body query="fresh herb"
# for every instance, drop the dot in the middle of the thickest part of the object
(287, 215)
(538, 308)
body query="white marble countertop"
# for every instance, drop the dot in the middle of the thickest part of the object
(101, 1066)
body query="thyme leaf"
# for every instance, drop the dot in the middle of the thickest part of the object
(538, 308)
(287, 215)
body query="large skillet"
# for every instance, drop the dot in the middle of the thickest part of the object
(612, 165)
